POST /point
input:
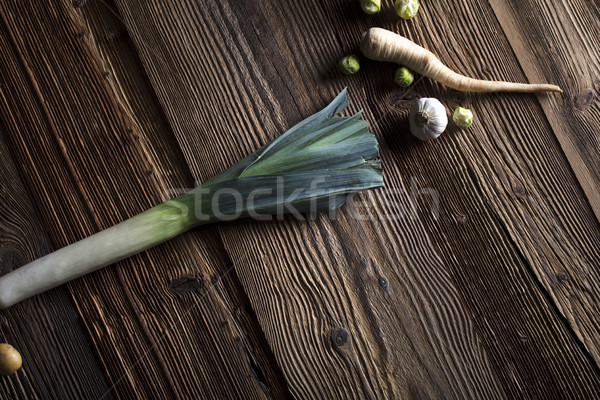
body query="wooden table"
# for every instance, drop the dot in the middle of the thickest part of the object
(475, 276)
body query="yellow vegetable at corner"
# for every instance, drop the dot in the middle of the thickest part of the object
(10, 359)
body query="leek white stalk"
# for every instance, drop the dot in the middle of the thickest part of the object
(314, 166)
(130, 237)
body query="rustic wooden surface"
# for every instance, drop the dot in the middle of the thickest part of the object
(476, 274)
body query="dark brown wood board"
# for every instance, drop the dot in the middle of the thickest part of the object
(574, 117)
(473, 275)
(61, 362)
(275, 261)
(87, 141)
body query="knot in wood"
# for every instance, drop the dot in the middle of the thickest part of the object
(583, 101)
(340, 337)
(460, 218)
(383, 283)
(562, 276)
(364, 262)
(186, 283)
(79, 3)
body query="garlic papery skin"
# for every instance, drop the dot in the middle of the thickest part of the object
(428, 119)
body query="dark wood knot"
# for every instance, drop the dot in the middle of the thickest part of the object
(562, 276)
(583, 101)
(79, 3)
(519, 191)
(459, 218)
(383, 283)
(340, 337)
(186, 283)
(364, 262)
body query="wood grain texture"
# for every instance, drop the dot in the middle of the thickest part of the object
(293, 63)
(529, 187)
(570, 30)
(511, 200)
(559, 41)
(337, 330)
(473, 274)
(63, 363)
(94, 154)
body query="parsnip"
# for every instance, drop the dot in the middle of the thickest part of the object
(382, 45)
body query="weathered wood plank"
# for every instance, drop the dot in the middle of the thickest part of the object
(95, 150)
(61, 363)
(508, 179)
(490, 242)
(507, 229)
(280, 66)
(559, 42)
(339, 327)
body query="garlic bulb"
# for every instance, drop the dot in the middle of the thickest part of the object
(428, 119)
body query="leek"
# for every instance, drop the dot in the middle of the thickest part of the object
(314, 166)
